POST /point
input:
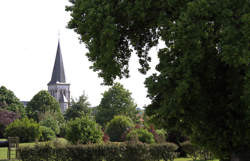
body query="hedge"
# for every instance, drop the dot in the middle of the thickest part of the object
(100, 152)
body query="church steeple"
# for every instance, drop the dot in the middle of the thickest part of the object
(57, 86)
(58, 74)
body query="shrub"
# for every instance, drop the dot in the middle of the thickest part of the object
(47, 133)
(161, 135)
(97, 152)
(51, 123)
(117, 126)
(105, 138)
(196, 152)
(143, 135)
(6, 117)
(83, 130)
(27, 130)
(190, 149)
(62, 130)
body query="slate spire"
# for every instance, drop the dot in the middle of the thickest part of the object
(58, 74)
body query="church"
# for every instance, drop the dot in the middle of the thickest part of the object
(57, 86)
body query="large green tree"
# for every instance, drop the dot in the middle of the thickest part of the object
(42, 105)
(203, 85)
(10, 102)
(78, 108)
(116, 101)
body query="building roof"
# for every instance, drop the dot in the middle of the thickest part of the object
(58, 75)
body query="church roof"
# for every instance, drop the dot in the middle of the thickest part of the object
(58, 75)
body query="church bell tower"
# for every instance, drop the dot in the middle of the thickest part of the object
(57, 86)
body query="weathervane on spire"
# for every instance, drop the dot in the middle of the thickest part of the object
(58, 35)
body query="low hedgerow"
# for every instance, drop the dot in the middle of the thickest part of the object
(96, 152)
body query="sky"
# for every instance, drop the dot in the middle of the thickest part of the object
(29, 33)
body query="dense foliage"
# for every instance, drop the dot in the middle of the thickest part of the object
(117, 127)
(26, 129)
(41, 105)
(47, 133)
(10, 102)
(142, 135)
(83, 130)
(115, 101)
(51, 123)
(96, 152)
(78, 108)
(203, 85)
(196, 152)
(6, 117)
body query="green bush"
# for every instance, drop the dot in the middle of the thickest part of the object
(161, 133)
(143, 135)
(51, 123)
(47, 133)
(27, 130)
(196, 152)
(62, 130)
(97, 152)
(83, 130)
(117, 127)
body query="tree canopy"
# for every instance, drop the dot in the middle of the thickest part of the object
(43, 104)
(204, 83)
(10, 102)
(116, 101)
(78, 108)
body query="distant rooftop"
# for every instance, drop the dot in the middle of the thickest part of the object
(25, 103)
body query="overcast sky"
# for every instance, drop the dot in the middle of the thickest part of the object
(28, 42)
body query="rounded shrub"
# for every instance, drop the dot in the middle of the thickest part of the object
(26, 129)
(143, 135)
(117, 127)
(83, 130)
(47, 133)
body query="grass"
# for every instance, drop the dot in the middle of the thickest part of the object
(190, 159)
